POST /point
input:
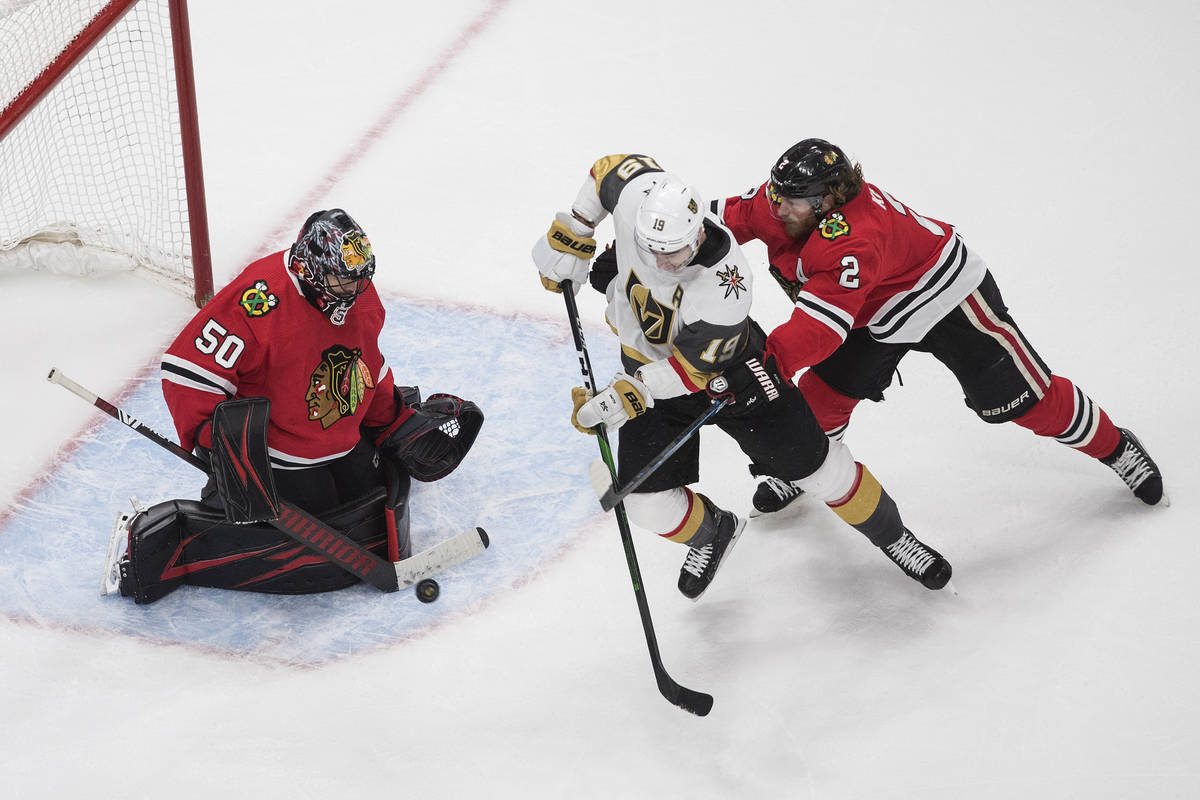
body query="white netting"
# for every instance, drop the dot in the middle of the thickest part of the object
(93, 177)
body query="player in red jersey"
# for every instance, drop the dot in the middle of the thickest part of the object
(871, 280)
(298, 330)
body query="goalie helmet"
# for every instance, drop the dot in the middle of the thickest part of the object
(332, 258)
(436, 437)
(669, 220)
(809, 169)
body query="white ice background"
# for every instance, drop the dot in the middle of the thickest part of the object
(1058, 136)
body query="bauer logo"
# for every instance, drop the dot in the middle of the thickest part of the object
(575, 245)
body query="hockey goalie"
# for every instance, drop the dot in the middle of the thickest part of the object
(279, 384)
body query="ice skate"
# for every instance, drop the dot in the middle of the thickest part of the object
(110, 583)
(702, 563)
(1135, 466)
(919, 561)
(773, 494)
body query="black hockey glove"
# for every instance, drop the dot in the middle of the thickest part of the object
(747, 383)
(604, 269)
(435, 438)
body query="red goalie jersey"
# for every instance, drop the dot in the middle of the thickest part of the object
(872, 263)
(259, 337)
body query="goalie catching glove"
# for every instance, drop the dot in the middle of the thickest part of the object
(435, 438)
(565, 252)
(622, 400)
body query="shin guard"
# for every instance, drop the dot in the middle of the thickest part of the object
(870, 510)
(1072, 418)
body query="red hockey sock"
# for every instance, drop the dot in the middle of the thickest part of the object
(831, 407)
(1073, 418)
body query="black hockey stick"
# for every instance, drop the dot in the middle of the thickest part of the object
(612, 495)
(306, 529)
(688, 699)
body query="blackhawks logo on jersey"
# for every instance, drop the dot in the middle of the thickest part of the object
(732, 281)
(833, 226)
(654, 318)
(791, 288)
(258, 300)
(338, 385)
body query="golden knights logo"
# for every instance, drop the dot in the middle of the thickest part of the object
(356, 250)
(338, 385)
(258, 300)
(732, 281)
(654, 318)
(833, 226)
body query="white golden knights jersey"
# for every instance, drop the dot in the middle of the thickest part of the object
(683, 328)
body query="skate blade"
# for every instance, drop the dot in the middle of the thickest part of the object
(110, 583)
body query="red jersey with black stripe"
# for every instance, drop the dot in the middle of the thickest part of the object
(872, 263)
(260, 337)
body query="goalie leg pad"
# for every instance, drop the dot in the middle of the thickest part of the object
(183, 541)
(156, 539)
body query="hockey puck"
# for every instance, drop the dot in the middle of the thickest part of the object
(428, 590)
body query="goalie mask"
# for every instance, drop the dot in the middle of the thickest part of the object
(435, 439)
(332, 258)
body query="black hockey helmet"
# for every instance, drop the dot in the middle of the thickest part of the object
(332, 258)
(810, 168)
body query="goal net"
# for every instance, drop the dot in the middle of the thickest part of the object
(99, 148)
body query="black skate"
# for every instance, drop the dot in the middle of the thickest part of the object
(702, 563)
(1135, 466)
(773, 494)
(919, 561)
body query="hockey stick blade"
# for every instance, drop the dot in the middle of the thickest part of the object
(689, 700)
(441, 556)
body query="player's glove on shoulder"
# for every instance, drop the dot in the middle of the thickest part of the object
(565, 252)
(747, 383)
(614, 405)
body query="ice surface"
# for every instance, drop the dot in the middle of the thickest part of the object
(1057, 137)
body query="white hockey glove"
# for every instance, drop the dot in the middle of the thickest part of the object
(565, 252)
(622, 400)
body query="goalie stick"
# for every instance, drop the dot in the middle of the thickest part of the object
(332, 544)
(697, 703)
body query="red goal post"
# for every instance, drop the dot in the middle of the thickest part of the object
(100, 163)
